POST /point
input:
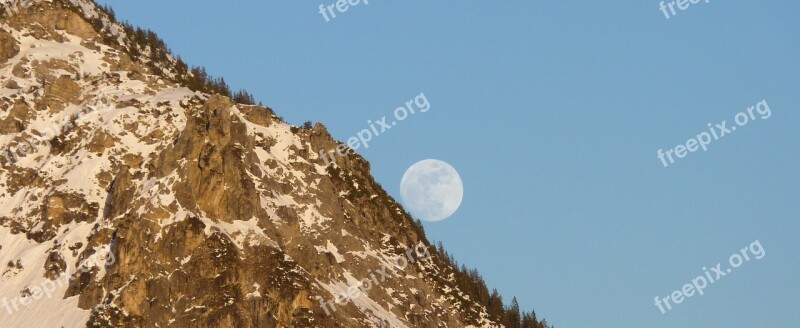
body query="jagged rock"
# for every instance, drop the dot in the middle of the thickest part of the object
(17, 119)
(54, 266)
(72, 23)
(61, 92)
(9, 47)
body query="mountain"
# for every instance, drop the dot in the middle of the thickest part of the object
(137, 192)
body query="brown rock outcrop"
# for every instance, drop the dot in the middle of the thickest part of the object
(9, 47)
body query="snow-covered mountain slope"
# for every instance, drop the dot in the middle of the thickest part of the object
(128, 200)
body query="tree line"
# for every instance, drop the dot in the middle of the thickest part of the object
(147, 47)
(471, 283)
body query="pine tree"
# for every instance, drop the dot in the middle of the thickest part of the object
(529, 320)
(512, 316)
(181, 68)
(481, 291)
(495, 307)
(243, 97)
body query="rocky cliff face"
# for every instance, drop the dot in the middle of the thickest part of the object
(128, 200)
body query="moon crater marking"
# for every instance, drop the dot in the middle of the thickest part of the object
(432, 190)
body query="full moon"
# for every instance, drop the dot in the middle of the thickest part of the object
(432, 190)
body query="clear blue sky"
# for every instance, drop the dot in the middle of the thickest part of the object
(553, 111)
